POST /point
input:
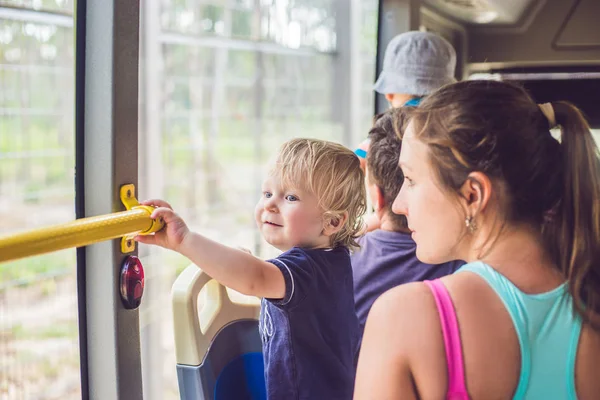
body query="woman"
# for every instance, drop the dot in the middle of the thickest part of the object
(486, 182)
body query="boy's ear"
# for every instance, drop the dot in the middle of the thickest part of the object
(334, 222)
(376, 195)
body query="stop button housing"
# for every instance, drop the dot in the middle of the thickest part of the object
(132, 282)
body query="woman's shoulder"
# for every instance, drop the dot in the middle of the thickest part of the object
(412, 308)
(417, 296)
(407, 309)
(396, 297)
(404, 323)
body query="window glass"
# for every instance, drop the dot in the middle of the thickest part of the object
(39, 348)
(222, 85)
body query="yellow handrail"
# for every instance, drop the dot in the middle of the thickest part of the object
(82, 232)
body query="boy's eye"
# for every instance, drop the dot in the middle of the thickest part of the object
(268, 195)
(409, 181)
(291, 197)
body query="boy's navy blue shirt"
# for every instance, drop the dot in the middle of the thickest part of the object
(385, 260)
(310, 337)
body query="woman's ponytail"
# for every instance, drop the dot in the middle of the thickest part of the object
(575, 230)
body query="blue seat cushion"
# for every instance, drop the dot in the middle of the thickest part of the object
(242, 379)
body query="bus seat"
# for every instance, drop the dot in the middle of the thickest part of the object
(217, 344)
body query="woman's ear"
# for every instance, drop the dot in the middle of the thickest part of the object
(334, 222)
(476, 192)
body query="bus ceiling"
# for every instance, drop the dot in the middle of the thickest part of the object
(551, 46)
(498, 34)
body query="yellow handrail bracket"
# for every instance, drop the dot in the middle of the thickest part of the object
(85, 231)
(127, 194)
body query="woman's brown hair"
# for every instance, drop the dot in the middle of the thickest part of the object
(496, 128)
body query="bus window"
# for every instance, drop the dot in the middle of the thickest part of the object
(39, 349)
(221, 87)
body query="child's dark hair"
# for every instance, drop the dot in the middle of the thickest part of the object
(496, 128)
(382, 158)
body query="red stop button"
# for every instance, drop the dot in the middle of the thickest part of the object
(132, 282)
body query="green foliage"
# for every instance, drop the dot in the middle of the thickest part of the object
(26, 270)
(292, 95)
(241, 24)
(58, 329)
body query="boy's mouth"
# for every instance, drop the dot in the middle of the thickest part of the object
(272, 224)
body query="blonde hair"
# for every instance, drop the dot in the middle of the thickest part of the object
(332, 173)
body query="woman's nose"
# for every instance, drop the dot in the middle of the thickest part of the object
(399, 205)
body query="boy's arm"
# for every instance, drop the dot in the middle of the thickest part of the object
(234, 268)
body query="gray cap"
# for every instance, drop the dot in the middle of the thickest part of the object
(416, 63)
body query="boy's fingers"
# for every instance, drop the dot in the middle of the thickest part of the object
(146, 239)
(156, 203)
(162, 212)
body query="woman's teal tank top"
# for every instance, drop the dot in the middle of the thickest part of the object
(548, 329)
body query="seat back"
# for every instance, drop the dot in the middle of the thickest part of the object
(218, 347)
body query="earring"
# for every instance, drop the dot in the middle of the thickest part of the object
(470, 223)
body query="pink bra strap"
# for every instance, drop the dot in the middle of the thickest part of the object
(454, 359)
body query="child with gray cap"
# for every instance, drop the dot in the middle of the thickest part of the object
(415, 64)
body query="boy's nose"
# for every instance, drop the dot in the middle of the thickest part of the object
(271, 205)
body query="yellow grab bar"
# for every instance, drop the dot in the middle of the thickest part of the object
(84, 231)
